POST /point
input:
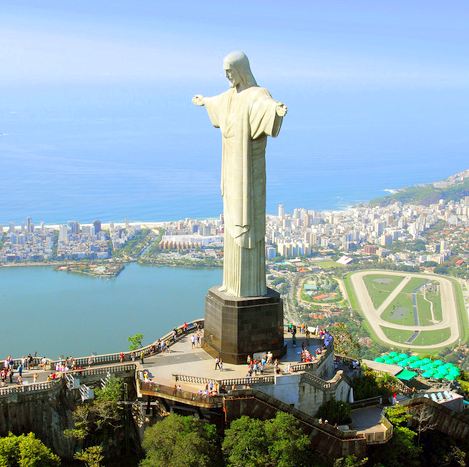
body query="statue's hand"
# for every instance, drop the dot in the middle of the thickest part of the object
(198, 99)
(281, 109)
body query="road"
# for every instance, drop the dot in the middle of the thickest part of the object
(373, 315)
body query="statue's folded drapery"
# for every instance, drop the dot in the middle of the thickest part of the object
(245, 118)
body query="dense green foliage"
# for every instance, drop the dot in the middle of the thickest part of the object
(179, 441)
(370, 384)
(345, 343)
(92, 456)
(96, 421)
(401, 449)
(335, 412)
(350, 461)
(278, 442)
(426, 194)
(135, 341)
(26, 451)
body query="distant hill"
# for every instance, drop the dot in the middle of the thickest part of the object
(453, 188)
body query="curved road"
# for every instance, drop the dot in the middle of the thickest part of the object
(448, 307)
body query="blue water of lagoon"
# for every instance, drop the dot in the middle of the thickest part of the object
(57, 313)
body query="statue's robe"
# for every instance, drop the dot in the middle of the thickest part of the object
(245, 120)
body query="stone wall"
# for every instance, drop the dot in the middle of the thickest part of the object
(46, 413)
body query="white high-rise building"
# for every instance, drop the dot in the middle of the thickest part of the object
(281, 211)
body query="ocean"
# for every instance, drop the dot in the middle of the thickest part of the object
(146, 153)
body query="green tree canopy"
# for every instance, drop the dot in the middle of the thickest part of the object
(26, 451)
(179, 441)
(335, 412)
(277, 442)
(135, 341)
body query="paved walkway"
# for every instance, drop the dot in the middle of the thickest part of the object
(181, 359)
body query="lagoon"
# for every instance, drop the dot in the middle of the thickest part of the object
(56, 313)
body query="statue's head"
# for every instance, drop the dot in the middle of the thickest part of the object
(238, 71)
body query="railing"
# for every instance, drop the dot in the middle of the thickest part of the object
(104, 370)
(312, 365)
(248, 381)
(377, 400)
(44, 386)
(179, 394)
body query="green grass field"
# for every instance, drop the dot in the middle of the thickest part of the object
(400, 311)
(379, 286)
(424, 338)
(432, 337)
(397, 335)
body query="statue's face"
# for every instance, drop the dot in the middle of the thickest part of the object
(233, 76)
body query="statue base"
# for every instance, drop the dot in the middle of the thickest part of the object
(236, 327)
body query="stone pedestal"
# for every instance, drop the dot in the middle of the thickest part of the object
(236, 327)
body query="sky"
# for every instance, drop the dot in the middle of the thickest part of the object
(360, 43)
(377, 92)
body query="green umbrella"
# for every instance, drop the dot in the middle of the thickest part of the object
(380, 359)
(414, 358)
(454, 372)
(417, 364)
(425, 360)
(440, 362)
(392, 354)
(428, 374)
(403, 355)
(443, 371)
(434, 364)
(438, 376)
(428, 366)
(450, 377)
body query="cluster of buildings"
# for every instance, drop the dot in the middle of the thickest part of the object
(77, 241)
(369, 230)
(44, 243)
(363, 230)
(27, 242)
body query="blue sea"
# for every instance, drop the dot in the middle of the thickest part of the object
(146, 153)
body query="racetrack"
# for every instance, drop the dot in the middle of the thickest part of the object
(373, 315)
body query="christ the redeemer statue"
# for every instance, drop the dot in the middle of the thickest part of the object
(246, 114)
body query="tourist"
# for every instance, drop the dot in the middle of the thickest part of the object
(184, 327)
(132, 356)
(20, 369)
(193, 340)
(121, 357)
(90, 360)
(220, 364)
(217, 363)
(35, 375)
(142, 357)
(10, 375)
(248, 360)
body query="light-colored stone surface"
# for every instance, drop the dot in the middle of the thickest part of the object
(182, 359)
(373, 315)
(246, 114)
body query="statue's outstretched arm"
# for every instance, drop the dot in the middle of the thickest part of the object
(198, 99)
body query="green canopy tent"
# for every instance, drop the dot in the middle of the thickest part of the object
(416, 364)
(406, 375)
